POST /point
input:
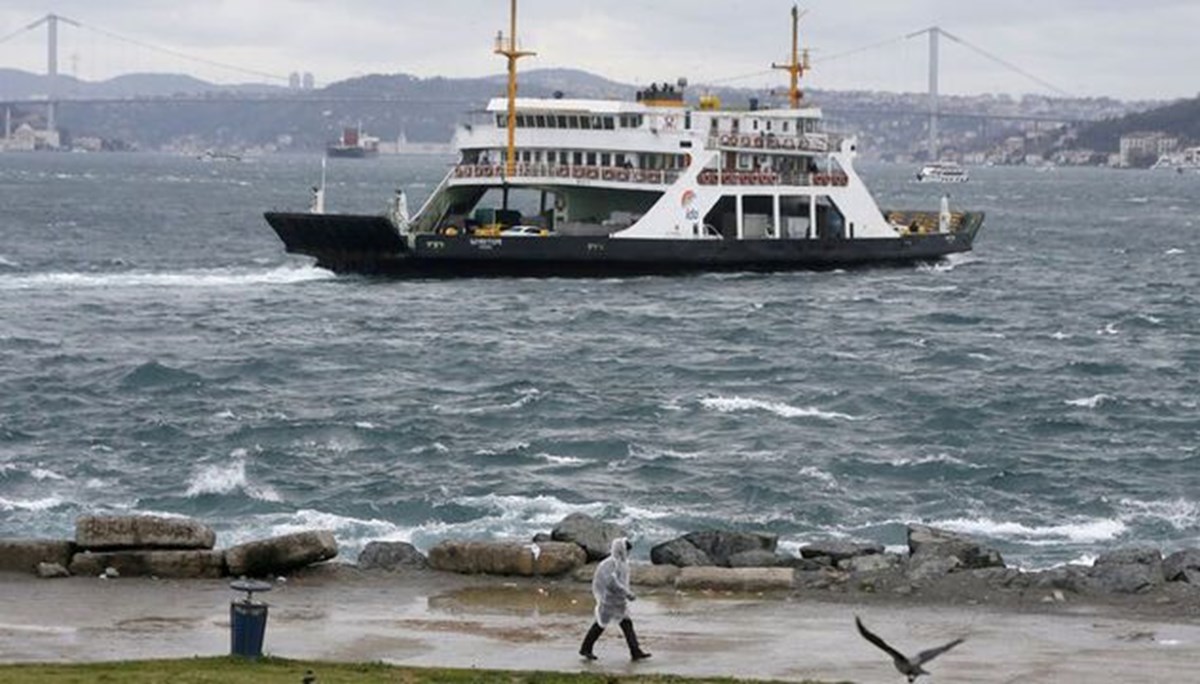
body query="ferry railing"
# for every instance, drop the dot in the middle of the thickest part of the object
(785, 178)
(805, 142)
(570, 172)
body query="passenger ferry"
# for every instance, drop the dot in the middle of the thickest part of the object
(582, 188)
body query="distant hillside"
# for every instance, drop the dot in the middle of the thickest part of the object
(1180, 118)
(22, 85)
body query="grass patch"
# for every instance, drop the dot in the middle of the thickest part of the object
(279, 671)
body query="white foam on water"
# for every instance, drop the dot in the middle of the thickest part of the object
(560, 460)
(364, 425)
(1174, 251)
(905, 461)
(8, 263)
(739, 404)
(979, 357)
(13, 628)
(949, 263)
(827, 480)
(1152, 320)
(1060, 336)
(35, 505)
(1180, 514)
(207, 278)
(227, 414)
(526, 396)
(1091, 402)
(227, 478)
(1109, 329)
(1082, 531)
(45, 474)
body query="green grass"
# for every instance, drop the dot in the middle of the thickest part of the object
(278, 671)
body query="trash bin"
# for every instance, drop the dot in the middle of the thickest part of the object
(247, 620)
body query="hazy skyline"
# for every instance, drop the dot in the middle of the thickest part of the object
(1084, 47)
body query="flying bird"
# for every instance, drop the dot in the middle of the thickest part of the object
(909, 667)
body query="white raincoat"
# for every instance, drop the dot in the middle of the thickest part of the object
(610, 585)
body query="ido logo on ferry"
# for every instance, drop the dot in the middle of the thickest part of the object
(688, 203)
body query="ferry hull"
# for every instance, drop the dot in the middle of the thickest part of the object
(370, 245)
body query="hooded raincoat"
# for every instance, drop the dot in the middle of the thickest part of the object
(610, 585)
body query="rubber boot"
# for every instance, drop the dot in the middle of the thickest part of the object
(635, 651)
(589, 641)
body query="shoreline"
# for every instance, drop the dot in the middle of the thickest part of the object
(423, 618)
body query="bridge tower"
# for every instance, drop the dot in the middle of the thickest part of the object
(51, 21)
(935, 34)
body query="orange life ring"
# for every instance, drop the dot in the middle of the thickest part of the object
(745, 141)
(789, 144)
(578, 172)
(562, 172)
(758, 141)
(820, 179)
(593, 173)
(487, 171)
(728, 139)
(623, 175)
(608, 174)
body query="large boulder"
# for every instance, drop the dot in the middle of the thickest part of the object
(280, 555)
(680, 553)
(721, 545)
(595, 536)
(194, 564)
(506, 558)
(1183, 566)
(378, 555)
(1127, 571)
(760, 558)
(837, 550)
(930, 542)
(735, 579)
(24, 555)
(108, 533)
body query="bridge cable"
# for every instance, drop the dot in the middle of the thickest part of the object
(181, 55)
(1006, 64)
(855, 51)
(14, 34)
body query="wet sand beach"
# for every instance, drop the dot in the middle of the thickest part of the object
(436, 619)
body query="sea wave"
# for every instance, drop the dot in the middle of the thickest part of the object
(1092, 402)
(8, 263)
(36, 505)
(227, 478)
(739, 404)
(1180, 514)
(1080, 531)
(202, 278)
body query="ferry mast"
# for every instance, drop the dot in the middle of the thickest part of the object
(509, 50)
(799, 63)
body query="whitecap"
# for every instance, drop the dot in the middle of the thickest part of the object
(364, 425)
(827, 480)
(1080, 531)
(203, 278)
(46, 474)
(1110, 329)
(1091, 402)
(227, 414)
(560, 460)
(946, 459)
(1181, 514)
(1174, 251)
(979, 357)
(1060, 336)
(524, 398)
(8, 263)
(35, 505)
(228, 478)
(738, 404)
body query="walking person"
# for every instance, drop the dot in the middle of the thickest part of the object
(610, 586)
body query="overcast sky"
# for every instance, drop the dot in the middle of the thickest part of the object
(1132, 49)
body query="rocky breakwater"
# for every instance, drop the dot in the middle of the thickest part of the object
(165, 547)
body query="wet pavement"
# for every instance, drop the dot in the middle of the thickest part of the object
(431, 619)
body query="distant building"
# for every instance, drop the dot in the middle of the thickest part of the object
(308, 82)
(1140, 150)
(294, 80)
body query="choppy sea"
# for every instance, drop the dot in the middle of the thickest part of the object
(159, 353)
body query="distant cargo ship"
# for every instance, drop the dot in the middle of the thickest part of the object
(353, 145)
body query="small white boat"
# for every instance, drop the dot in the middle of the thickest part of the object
(943, 172)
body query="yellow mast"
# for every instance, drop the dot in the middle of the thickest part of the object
(513, 54)
(799, 64)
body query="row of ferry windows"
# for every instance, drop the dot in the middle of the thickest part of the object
(573, 121)
(601, 159)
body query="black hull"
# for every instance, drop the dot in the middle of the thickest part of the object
(350, 153)
(370, 245)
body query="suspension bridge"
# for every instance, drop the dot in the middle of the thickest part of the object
(289, 88)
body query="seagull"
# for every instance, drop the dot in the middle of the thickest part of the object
(909, 667)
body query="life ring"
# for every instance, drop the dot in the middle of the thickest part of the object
(623, 175)
(789, 144)
(758, 141)
(820, 179)
(608, 174)
(708, 178)
(560, 203)
(731, 178)
(773, 143)
(578, 172)
(562, 172)
(745, 141)
(728, 139)
(593, 173)
(669, 121)
(487, 171)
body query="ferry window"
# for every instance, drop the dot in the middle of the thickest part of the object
(541, 121)
(591, 158)
(768, 125)
(520, 121)
(573, 122)
(502, 122)
(609, 124)
(756, 124)
(597, 123)
(605, 159)
(620, 160)
(552, 157)
(562, 122)
(785, 127)
(687, 121)
(578, 159)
